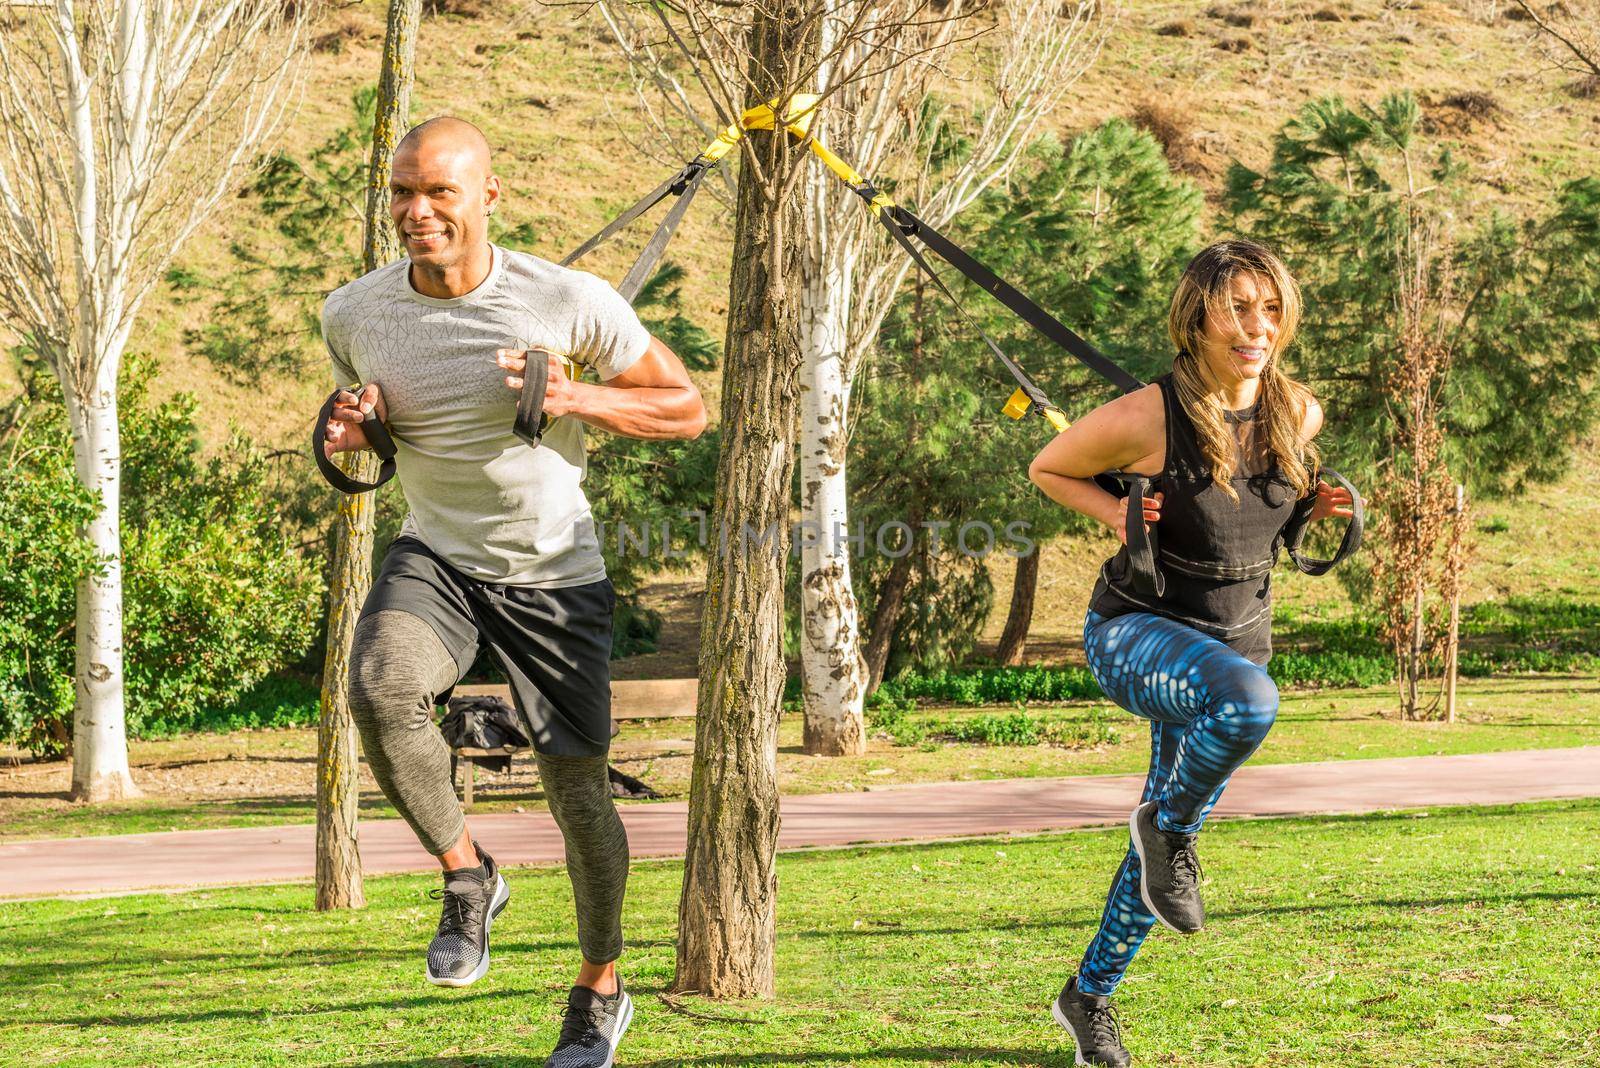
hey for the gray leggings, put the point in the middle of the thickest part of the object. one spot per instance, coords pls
(398, 665)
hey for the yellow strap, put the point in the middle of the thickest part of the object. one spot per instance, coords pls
(797, 118)
(1019, 405)
(848, 174)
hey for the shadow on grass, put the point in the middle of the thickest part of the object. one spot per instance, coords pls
(443, 999)
(21, 975)
(940, 1054)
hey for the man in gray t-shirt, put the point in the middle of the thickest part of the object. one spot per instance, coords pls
(499, 546)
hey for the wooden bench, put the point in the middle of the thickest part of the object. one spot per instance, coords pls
(633, 699)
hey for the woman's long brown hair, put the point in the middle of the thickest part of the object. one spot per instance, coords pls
(1203, 291)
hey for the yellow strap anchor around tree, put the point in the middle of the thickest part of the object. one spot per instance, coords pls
(798, 111)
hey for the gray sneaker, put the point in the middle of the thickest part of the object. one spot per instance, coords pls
(1093, 1027)
(459, 953)
(1169, 872)
(591, 1027)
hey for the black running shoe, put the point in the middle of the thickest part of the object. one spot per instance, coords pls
(473, 897)
(591, 1027)
(1169, 872)
(1093, 1027)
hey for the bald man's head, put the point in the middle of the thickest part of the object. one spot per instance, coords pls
(441, 193)
(449, 134)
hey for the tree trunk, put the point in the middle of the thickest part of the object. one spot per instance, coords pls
(99, 725)
(339, 882)
(885, 614)
(1014, 639)
(726, 915)
(832, 667)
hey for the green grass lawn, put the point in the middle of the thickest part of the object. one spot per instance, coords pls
(1532, 712)
(1451, 937)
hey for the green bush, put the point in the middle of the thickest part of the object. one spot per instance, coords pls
(214, 599)
(1098, 728)
(1299, 670)
(276, 701)
(1004, 685)
(635, 628)
(1015, 728)
(41, 508)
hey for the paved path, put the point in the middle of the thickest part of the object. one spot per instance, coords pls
(122, 863)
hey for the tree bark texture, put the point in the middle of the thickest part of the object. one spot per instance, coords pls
(99, 725)
(339, 883)
(726, 915)
(1024, 586)
(832, 667)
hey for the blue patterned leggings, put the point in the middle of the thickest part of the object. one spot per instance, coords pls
(1209, 708)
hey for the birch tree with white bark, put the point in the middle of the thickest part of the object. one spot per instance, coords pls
(1024, 57)
(122, 125)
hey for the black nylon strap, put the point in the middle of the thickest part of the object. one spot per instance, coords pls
(377, 436)
(1351, 541)
(530, 423)
(675, 185)
(1012, 297)
(1143, 545)
(645, 265)
(897, 230)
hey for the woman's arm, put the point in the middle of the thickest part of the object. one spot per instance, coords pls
(1332, 501)
(1127, 434)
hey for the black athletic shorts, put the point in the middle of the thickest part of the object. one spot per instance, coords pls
(554, 644)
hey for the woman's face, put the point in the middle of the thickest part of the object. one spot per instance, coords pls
(1239, 346)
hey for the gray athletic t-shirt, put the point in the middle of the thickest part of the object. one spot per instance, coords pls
(492, 507)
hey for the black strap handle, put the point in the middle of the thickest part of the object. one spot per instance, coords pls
(531, 423)
(377, 436)
(1351, 541)
(1143, 545)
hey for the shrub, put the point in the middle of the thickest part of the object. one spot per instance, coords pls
(1017, 728)
(41, 509)
(998, 685)
(213, 597)
(274, 702)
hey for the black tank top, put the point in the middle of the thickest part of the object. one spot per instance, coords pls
(1214, 555)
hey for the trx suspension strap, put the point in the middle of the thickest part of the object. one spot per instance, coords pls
(377, 436)
(530, 422)
(1295, 533)
(902, 225)
(1143, 549)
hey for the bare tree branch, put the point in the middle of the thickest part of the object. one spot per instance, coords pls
(1578, 31)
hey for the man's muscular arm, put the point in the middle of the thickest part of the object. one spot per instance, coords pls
(653, 398)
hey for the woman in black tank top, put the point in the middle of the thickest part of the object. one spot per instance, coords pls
(1219, 458)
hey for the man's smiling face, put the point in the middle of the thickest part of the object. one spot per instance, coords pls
(440, 195)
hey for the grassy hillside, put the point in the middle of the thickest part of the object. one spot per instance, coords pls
(1214, 83)
(546, 85)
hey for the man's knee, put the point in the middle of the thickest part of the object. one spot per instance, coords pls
(578, 790)
(395, 667)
